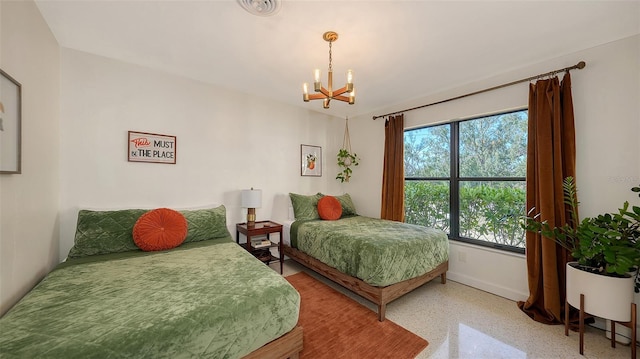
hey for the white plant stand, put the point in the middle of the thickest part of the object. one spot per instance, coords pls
(601, 296)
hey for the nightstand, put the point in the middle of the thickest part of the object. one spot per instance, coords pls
(263, 253)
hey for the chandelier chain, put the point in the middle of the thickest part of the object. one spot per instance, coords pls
(330, 69)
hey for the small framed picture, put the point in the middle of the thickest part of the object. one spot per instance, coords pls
(151, 147)
(10, 124)
(310, 160)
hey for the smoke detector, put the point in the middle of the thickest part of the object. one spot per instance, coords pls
(261, 7)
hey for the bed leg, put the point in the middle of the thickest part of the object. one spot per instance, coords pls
(443, 278)
(381, 312)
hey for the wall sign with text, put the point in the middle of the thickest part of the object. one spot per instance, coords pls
(151, 147)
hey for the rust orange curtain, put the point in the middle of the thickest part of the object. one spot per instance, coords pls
(551, 154)
(393, 169)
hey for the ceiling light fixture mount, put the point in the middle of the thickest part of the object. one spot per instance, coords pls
(261, 7)
(328, 94)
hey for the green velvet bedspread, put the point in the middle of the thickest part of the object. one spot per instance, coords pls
(379, 252)
(208, 299)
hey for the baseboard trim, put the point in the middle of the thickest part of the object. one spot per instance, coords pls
(487, 287)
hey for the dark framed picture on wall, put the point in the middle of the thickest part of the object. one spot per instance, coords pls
(310, 160)
(10, 124)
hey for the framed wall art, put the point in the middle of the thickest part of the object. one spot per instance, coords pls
(151, 147)
(10, 124)
(310, 160)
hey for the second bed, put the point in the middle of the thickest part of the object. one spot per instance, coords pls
(378, 259)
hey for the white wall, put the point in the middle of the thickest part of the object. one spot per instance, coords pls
(606, 98)
(226, 142)
(29, 201)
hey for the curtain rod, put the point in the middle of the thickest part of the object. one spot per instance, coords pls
(580, 65)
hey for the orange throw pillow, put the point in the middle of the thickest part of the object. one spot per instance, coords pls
(329, 208)
(159, 230)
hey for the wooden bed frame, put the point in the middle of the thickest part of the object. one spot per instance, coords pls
(378, 295)
(287, 346)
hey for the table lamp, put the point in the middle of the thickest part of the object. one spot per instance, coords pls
(251, 199)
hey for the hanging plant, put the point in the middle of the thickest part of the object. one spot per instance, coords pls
(345, 161)
(346, 158)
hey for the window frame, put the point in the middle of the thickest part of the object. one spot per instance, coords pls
(454, 180)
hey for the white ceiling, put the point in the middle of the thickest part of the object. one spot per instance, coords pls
(398, 50)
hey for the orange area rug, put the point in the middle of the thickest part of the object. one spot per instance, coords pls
(335, 326)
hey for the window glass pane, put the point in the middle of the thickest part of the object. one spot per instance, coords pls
(490, 211)
(427, 151)
(494, 146)
(427, 203)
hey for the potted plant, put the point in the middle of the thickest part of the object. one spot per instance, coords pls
(605, 246)
(346, 159)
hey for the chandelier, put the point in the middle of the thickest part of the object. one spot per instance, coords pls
(328, 94)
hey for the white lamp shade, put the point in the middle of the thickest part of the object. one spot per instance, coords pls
(251, 198)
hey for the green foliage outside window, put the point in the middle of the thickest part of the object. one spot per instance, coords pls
(487, 212)
(492, 213)
(427, 204)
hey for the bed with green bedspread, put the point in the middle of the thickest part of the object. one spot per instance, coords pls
(205, 299)
(379, 252)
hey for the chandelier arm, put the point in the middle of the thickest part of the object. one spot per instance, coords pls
(341, 98)
(317, 96)
(324, 91)
(340, 91)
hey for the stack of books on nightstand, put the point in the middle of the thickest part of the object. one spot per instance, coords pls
(260, 243)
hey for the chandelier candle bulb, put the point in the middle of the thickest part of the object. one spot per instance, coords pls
(305, 92)
(316, 75)
(350, 77)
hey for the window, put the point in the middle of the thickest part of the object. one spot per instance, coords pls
(468, 178)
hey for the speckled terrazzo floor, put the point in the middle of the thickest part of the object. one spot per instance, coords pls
(464, 322)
